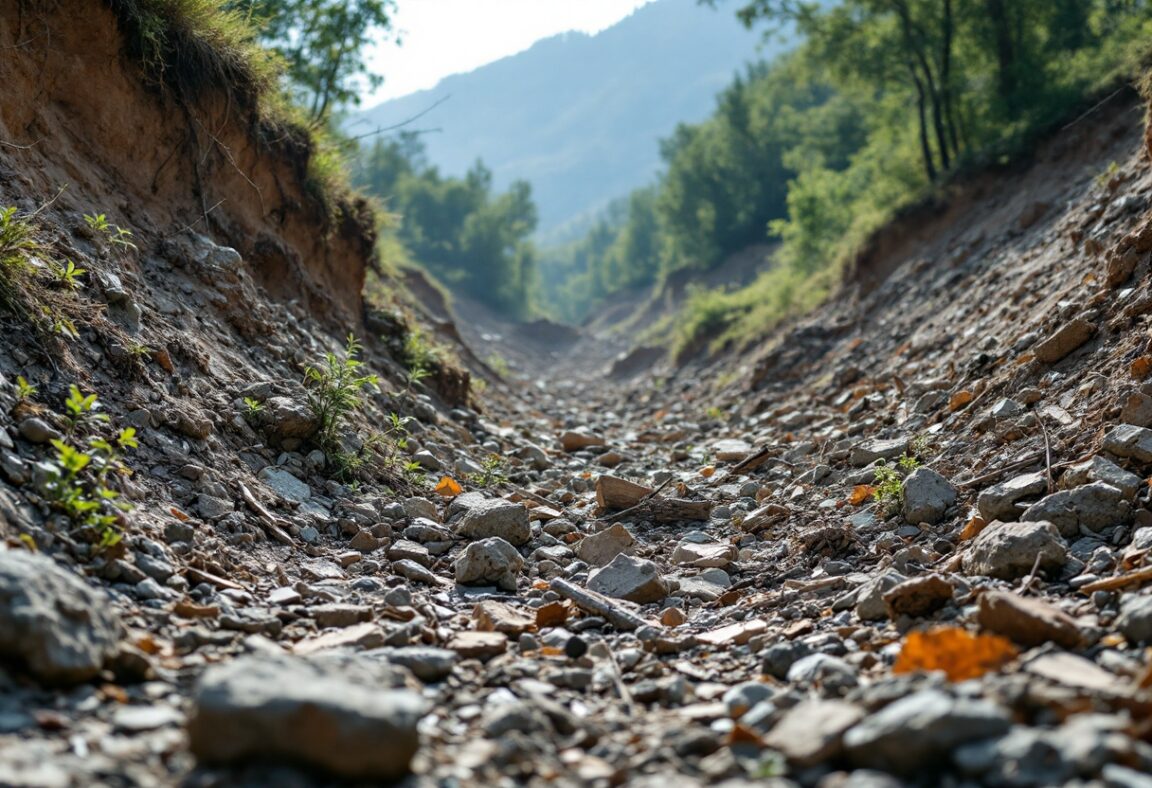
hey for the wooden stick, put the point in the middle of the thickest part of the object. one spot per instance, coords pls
(1120, 581)
(272, 524)
(598, 604)
(200, 576)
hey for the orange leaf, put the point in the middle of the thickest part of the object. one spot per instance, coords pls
(179, 515)
(960, 399)
(954, 650)
(448, 487)
(1141, 367)
(707, 471)
(861, 493)
(552, 614)
(973, 528)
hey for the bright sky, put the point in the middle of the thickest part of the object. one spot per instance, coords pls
(442, 37)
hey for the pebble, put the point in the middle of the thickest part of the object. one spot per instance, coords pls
(927, 496)
(491, 561)
(496, 518)
(1010, 550)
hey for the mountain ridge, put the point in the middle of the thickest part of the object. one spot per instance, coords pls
(579, 116)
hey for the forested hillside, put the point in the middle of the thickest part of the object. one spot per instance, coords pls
(578, 116)
(881, 105)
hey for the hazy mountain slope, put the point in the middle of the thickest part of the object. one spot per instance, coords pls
(581, 116)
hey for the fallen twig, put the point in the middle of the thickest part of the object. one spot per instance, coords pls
(272, 524)
(598, 604)
(1137, 577)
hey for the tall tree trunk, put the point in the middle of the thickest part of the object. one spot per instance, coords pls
(921, 102)
(915, 46)
(947, 95)
(1005, 44)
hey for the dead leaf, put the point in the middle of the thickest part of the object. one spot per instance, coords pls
(552, 614)
(960, 399)
(707, 471)
(448, 487)
(179, 515)
(954, 650)
(1141, 367)
(973, 528)
(861, 493)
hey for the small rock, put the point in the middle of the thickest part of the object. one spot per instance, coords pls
(1135, 619)
(1137, 409)
(479, 645)
(574, 440)
(742, 697)
(1029, 622)
(51, 622)
(286, 485)
(285, 417)
(731, 450)
(813, 731)
(312, 712)
(1064, 340)
(633, 579)
(672, 617)
(999, 501)
(870, 600)
(426, 663)
(869, 452)
(598, 549)
(1099, 469)
(420, 507)
(927, 496)
(364, 541)
(919, 730)
(1130, 442)
(36, 430)
(339, 614)
(1010, 550)
(918, 597)
(494, 616)
(1094, 506)
(712, 554)
(489, 561)
(407, 549)
(212, 508)
(496, 518)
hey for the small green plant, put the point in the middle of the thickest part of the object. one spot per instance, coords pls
(24, 390)
(77, 481)
(381, 447)
(82, 411)
(415, 474)
(335, 390)
(68, 275)
(17, 241)
(421, 357)
(715, 413)
(889, 486)
(1110, 172)
(499, 365)
(493, 472)
(252, 406)
(113, 232)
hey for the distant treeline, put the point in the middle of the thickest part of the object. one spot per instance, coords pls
(881, 100)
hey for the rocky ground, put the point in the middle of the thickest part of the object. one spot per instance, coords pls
(905, 544)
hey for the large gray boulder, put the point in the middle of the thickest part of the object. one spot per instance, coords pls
(500, 518)
(927, 496)
(337, 715)
(51, 622)
(1010, 550)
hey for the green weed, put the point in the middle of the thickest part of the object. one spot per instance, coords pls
(493, 472)
(68, 274)
(889, 486)
(335, 391)
(114, 233)
(24, 390)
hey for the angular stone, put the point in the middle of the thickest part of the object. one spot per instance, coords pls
(999, 501)
(870, 600)
(360, 636)
(285, 417)
(927, 496)
(869, 451)
(613, 492)
(52, 623)
(813, 731)
(1137, 409)
(316, 713)
(704, 555)
(286, 485)
(919, 730)
(1029, 622)
(1010, 550)
(407, 549)
(1094, 506)
(1130, 442)
(634, 579)
(1064, 340)
(479, 645)
(489, 561)
(339, 614)
(600, 548)
(1099, 469)
(499, 518)
(494, 616)
(731, 450)
(212, 508)
(918, 597)
(574, 440)
(1135, 619)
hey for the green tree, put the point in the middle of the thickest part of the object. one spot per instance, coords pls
(323, 44)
